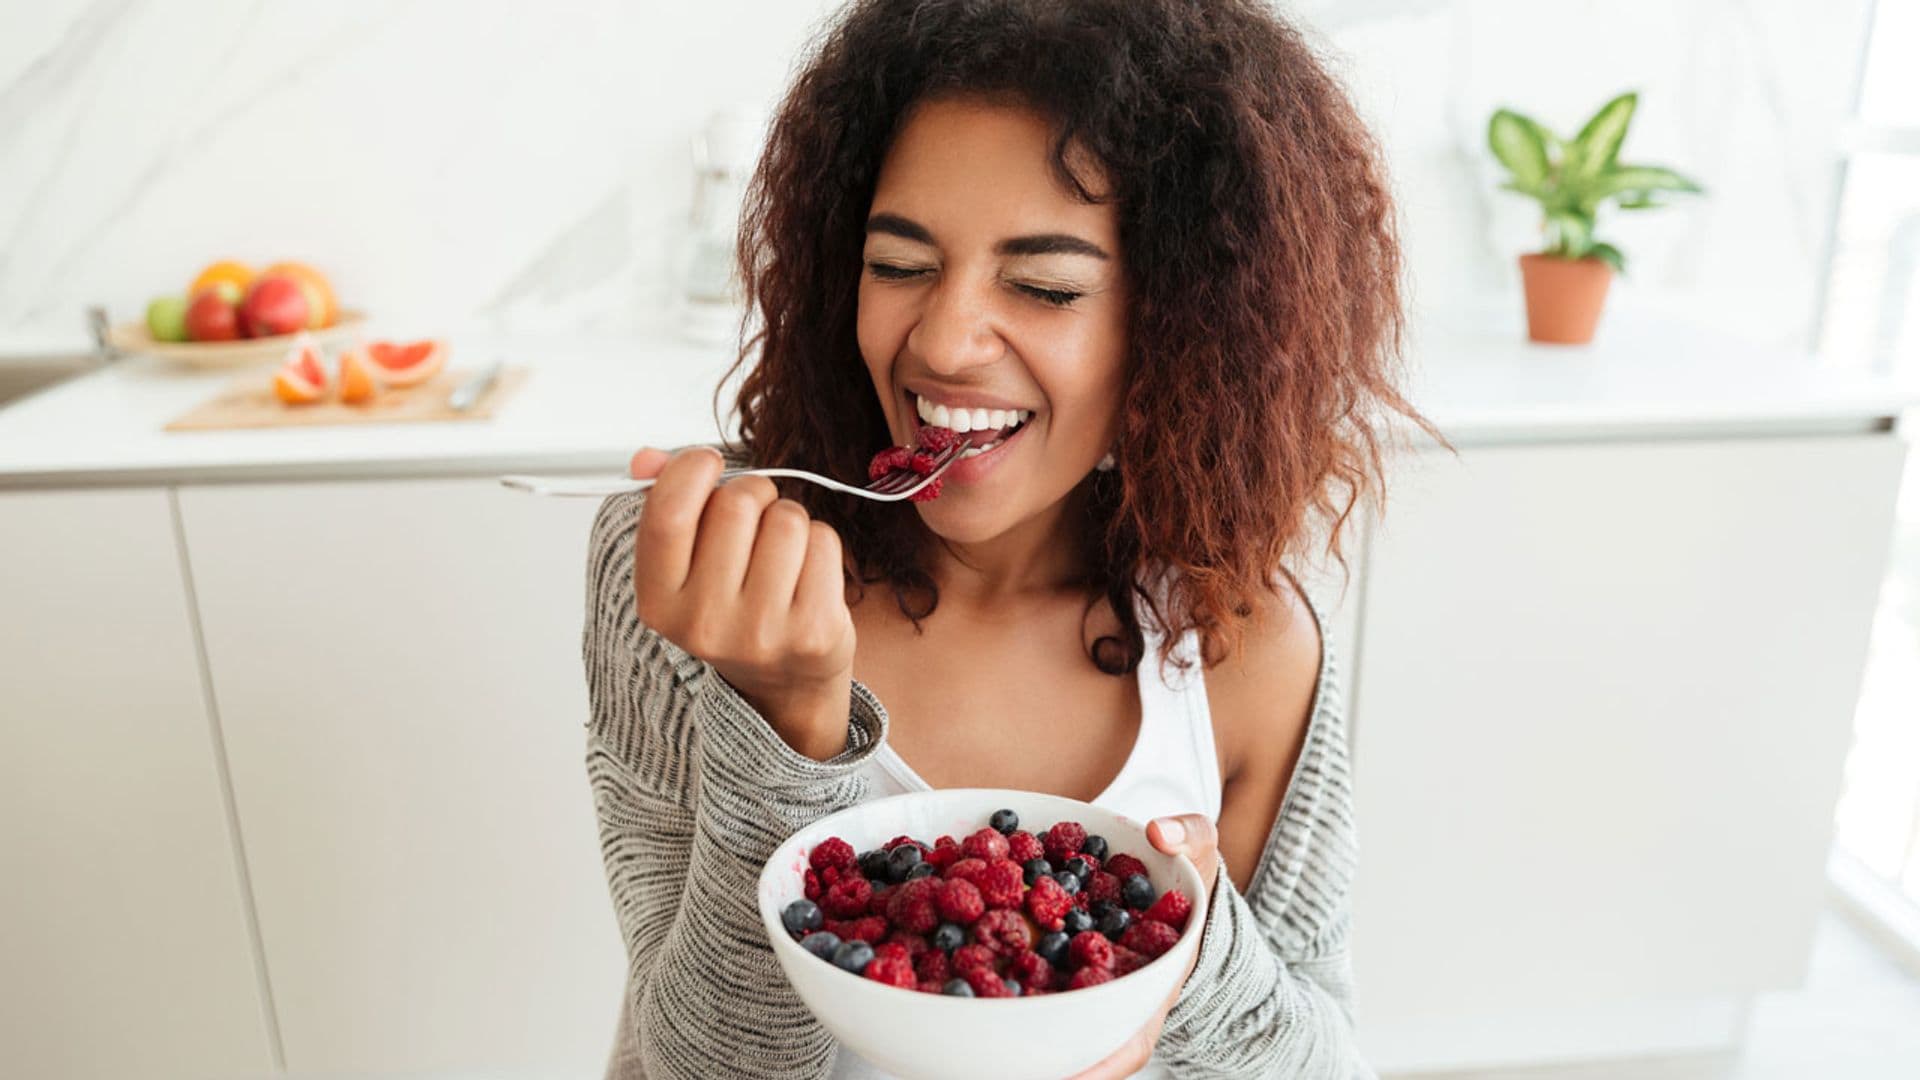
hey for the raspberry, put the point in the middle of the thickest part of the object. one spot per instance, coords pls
(933, 966)
(1089, 976)
(986, 983)
(1149, 937)
(870, 929)
(1093, 862)
(836, 852)
(959, 901)
(1126, 961)
(1063, 841)
(1032, 972)
(1001, 883)
(966, 869)
(935, 439)
(928, 986)
(1090, 948)
(1172, 908)
(811, 887)
(891, 966)
(985, 844)
(881, 897)
(968, 957)
(915, 944)
(1048, 903)
(1102, 886)
(911, 906)
(1024, 847)
(1005, 934)
(904, 839)
(847, 899)
(884, 462)
(946, 852)
(928, 494)
(1125, 866)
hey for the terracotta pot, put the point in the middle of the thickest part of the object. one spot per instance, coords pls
(1564, 297)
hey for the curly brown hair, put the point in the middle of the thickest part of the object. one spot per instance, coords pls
(1265, 335)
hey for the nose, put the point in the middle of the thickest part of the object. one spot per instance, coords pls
(955, 331)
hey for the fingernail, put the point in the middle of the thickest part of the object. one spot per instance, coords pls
(1172, 831)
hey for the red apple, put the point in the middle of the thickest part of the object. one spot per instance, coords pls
(212, 317)
(275, 305)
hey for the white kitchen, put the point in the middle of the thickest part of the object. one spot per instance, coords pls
(292, 709)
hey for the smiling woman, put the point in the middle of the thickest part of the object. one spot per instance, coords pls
(1140, 253)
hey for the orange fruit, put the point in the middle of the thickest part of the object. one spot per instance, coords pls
(359, 377)
(302, 380)
(319, 291)
(405, 363)
(237, 276)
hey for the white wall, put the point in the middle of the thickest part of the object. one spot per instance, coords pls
(514, 167)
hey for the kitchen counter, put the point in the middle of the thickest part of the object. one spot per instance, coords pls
(589, 402)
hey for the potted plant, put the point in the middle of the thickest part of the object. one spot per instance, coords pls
(1566, 283)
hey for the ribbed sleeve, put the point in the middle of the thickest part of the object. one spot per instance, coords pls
(693, 791)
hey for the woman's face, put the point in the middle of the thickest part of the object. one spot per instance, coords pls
(988, 284)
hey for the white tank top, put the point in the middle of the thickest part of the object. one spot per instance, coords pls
(1173, 769)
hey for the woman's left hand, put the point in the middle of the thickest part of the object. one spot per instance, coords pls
(1192, 835)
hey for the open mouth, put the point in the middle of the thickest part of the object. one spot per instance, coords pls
(985, 429)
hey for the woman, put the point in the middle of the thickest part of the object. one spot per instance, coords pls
(1157, 228)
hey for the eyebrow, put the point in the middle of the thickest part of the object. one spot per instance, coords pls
(1043, 244)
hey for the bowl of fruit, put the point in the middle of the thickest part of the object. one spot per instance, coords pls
(981, 932)
(231, 316)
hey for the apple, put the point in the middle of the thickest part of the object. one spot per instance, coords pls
(275, 305)
(167, 318)
(212, 317)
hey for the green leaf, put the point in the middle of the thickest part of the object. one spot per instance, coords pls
(1569, 233)
(1634, 182)
(1598, 143)
(1516, 141)
(1610, 255)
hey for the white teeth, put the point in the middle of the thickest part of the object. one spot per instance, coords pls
(962, 421)
(965, 420)
(980, 420)
(941, 417)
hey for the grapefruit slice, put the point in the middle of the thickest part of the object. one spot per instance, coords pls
(405, 363)
(359, 377)
(303, 378)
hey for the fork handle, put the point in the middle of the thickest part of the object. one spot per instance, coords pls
(614, 485)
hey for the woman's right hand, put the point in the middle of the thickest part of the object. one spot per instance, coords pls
(750, 583)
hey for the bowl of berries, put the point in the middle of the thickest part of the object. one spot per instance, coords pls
(980, 932)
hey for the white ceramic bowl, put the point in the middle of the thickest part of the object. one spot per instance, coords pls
(935, 1037)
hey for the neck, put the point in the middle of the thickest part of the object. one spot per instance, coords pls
(1033, 560)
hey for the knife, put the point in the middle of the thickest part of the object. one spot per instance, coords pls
(468, 394)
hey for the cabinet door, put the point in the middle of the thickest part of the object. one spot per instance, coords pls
(124, 944)
(1604, 698)
(398, 670)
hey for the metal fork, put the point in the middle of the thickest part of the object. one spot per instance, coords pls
(897, 484)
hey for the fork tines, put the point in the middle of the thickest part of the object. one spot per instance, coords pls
(899, 480)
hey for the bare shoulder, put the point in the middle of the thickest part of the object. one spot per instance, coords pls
(1262, 698)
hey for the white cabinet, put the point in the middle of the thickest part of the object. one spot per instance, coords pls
(1603, 697)
(124, 943)
(397, 666)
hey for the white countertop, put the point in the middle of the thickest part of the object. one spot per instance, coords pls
(588, 403)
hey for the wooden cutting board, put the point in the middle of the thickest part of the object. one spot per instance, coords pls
(248, 402)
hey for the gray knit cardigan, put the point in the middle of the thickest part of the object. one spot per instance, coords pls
(693, 791)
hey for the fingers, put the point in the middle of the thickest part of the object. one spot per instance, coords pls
(669, 518)
(1192, 835)
(1129, 1059)
(821, 592)
(647, 462)
(778, 554)
(728, 526)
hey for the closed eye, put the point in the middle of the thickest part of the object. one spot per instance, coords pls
(1055, 297)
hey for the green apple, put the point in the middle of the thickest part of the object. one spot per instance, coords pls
(167, 318)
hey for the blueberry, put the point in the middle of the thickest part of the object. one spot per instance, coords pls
(821, 943)
(1099, 908)
(1114, 923)
(957, 988)
(1034, 868)
(1137, 891)
(1096, 846)
(801, 916)
(1079, 868)
(1077, 922)
(901, 861)
(853, 956)
(949, 937)
(920, 869)
(1004, 822)
(873, 865)
(1012, 987)
(1068, 882)
(1053, 949)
